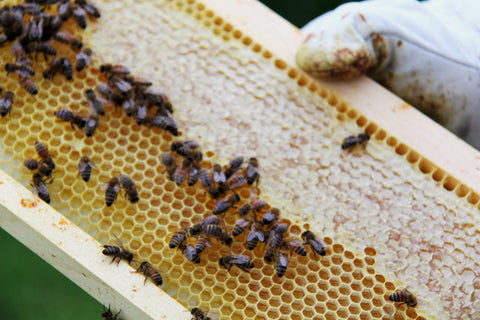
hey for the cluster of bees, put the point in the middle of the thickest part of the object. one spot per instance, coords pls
(193, 241)
(129, 92)
(42, 169)
(31, 29)
(217, 183)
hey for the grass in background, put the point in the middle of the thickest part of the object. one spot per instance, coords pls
(31, 289)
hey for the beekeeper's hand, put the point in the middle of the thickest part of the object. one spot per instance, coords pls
(428, 53)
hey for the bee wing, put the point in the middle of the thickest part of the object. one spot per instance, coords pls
(104, 187)
(191, 144)
(295, 242)
(210, 220)
(214, 315)
(239, 259)
(260, 236)
(283, 260)
(242, 222)
(207, 243)
(82, 166)
(251, 171)
(190, 252)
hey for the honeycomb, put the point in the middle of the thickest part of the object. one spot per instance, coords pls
(390, 218)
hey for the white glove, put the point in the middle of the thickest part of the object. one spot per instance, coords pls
(428, 53)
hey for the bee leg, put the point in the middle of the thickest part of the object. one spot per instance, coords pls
(244, 269)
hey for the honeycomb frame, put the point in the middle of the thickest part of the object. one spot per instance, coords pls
(148, 137)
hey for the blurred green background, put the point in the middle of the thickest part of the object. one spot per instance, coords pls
(30, 289)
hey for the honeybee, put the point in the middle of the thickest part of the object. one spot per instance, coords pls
(240, 226)
(33, 31)
(51, 25)
(74, 118)
(129, 187)
(31, 164)
(85, 168)
(218, 174)
(233, 166)
(40, 186)
(150, 272)
(258, 205)
(282, 263)
(190, 253)
(194, 174)
(178, 240)
(94, 103)
(405, 297)
(162, 122)
(207, 183)
(83, 59)
(19, 52)
(128, 106)
(21, 69)
(112, 188)
(295, 245)
(241, 261)
(198, 314)
(253, 174)
(236, 181)
(244, 210)
(198, 227)
(141, 111)
(213, 230)
(256, 234)
(80, 16)
(352, 141)
(6, 102)
(66, 68)
(271, 216)
(201, 245)
(181, 171)
(91, 10)
(275, 239)
(53, 68)
(105, 90)
(118, 253)
(226, 203)
(107, 313)
(28, 84)
(123, 87)
(187, 149)
(315, 242)
(41, 47)
(42, 150)
(64, 9)
(225, 238)
(68, 38)
(169, 162)
(46, 166)
(91, 125)
(114, 69)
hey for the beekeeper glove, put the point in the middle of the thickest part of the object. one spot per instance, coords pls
(428, 53)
